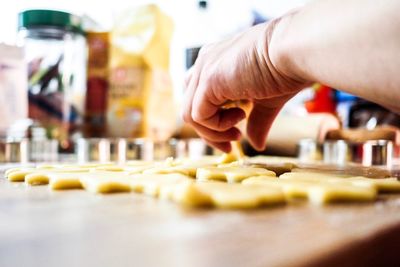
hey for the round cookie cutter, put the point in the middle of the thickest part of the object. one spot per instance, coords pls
(126, 149)
(28, 150)
(96, 149)
(340, 152)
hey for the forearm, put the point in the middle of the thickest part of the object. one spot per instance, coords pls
(350, 45)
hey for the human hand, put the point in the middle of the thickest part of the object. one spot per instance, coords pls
(237, 69)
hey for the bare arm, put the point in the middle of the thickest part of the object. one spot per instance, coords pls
(351, 45)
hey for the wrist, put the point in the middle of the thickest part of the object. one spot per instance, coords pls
(281, 50)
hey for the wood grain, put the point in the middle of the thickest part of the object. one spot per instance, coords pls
(39, 227)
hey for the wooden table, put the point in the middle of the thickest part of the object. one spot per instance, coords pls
(39, 227)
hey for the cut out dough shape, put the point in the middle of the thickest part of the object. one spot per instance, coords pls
(106, 182)
(189, 169)
(277, 168)
(131, 167)
(271, 160)
(42, 176)
(8, 171)
(186, 194)
(138, 169)
(206, 160)
(110, 168)
(183, 166)
(137, 162)
(18, 175)
(152, 184)
(223, 195)
(214, 160)
(230, 174)
(382, 185)
(317, 192)
(93, 181)
(64, 181)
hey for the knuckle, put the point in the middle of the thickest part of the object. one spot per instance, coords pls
(204, 50)
(186, 117)
(196, 117)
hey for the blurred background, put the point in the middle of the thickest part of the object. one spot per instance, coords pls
(194, 22)
(76, 74)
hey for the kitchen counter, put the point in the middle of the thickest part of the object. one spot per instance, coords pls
(39, 227)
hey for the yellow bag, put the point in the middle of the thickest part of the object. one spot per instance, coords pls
(140, 98)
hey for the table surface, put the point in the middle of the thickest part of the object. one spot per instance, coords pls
(40, 227)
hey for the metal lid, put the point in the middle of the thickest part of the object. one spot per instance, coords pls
(49, 18)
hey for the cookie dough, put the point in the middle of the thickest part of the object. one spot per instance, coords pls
(18, 174)
(43, 176)
(230, 174)
(390, 184)
(65, 181)
(226, 181)
(105, 182)
(152, 184)
(223, 195)
(321, 192)
(189, 169)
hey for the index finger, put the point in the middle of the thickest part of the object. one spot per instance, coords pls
(213, 113)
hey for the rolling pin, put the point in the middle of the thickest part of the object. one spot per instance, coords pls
(288, 130)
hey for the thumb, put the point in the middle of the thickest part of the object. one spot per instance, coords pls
(259, 123)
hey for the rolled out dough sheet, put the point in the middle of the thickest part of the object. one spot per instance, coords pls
(317, 192)
(230, 174)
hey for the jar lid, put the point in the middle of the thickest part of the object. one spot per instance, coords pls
(51, 18)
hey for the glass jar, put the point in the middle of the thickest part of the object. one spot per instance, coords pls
(55, 50)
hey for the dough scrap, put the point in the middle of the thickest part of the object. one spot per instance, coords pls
(230, 174)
